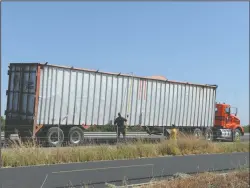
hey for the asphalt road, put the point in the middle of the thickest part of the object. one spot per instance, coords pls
(133, 171)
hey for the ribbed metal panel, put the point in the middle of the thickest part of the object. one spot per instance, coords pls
(21, 92)
(73, 97)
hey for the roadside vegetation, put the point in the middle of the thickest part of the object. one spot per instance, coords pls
(32, 154)
(233, 179)
(238, 178)
(246, 128)
(2, 121)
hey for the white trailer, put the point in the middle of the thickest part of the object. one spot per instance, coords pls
(42, 98)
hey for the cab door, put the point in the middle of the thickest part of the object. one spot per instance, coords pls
(228, 118)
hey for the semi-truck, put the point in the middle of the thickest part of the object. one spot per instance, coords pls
(45, 101)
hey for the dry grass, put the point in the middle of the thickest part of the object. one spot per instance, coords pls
(238, 179)
(32, 154)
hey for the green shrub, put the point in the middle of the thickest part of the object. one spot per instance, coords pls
(246, 129)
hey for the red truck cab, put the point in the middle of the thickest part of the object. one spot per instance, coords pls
(226, 118)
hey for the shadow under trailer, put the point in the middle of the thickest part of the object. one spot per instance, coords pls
(44, 101)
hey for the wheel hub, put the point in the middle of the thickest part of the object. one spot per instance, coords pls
(54, 138)
(208, 136)
(237, 136)
(75, 137)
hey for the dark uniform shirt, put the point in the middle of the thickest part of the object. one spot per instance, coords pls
(120, 121)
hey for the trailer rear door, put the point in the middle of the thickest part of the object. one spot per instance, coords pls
(21, 98)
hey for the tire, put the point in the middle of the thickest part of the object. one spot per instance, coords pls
(208, 134)
(75, 136)
(237, 135)
(54, 131)
(197, 133)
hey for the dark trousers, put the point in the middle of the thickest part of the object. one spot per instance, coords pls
(121, 129)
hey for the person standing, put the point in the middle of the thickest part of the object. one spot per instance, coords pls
(120, 122)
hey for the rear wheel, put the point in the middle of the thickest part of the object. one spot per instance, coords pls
(197, 133)
(76, 136)
(55, 136)
(209, 134)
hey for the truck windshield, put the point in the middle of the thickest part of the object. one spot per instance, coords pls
(233, 111)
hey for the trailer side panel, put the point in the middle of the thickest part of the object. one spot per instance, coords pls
(76, 97)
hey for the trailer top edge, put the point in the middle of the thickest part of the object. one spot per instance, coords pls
(27, 63)
(116, 74)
